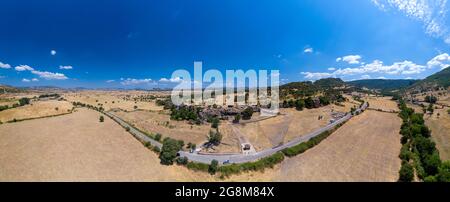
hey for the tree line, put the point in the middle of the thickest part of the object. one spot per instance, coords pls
(418, 153)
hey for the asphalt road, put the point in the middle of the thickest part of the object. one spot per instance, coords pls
(234, 158)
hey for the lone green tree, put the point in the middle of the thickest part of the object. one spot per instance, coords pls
(101, 119)
(169, 151)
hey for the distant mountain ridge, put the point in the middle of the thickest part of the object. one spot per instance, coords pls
(383, 84)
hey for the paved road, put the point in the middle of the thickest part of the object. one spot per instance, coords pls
(241, 158)
(235, 158)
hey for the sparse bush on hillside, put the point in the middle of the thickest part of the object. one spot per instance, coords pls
(101, 119)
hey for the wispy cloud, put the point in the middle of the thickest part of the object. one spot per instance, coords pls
(65, 67)
(49, 75)
(53, 52)
(350, 59)
(131, 81)
(308, 50)
(171, 80)
(432, 13)
(21, 68)
(4, 66)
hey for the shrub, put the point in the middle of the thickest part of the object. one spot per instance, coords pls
(158, 137)
(24, 101)
(247, 113)
(430, 99)
(182, 160)
(157, 150)
(444, 172)
(406, 173)
(237, 118)
(127, 129)
(431, 164)
(260, 165)
(215, 137)
(215, 123)
(101, 119)
(212, 169)
(302, 147)
(198, 166)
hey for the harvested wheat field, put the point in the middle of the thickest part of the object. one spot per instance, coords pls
(35, 110)
(364, 149)
(382, 103)
(111, 99)
(77, 147)
(440, 127)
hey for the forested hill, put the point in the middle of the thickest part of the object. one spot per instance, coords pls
(383, 84)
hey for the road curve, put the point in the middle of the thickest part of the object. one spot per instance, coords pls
(234, 158)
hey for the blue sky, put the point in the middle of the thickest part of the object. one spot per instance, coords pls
(134, 44)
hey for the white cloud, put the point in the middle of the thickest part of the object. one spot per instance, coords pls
(109, 81)
(65, 67)
(28, 80)
(49, 75)
(130, 81)
(381, 77)
(172, 80)
(442, 61)
(23, 68)
(432, 13)
(316, 75)
(352, 59)
(53, 52)
(338, 59)
(331, 69)
(377, 67)
(366, 76)
(4, 66)
(308, 50)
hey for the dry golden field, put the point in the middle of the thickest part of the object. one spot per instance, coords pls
(440, 131)
(35, 110)
(365, 149)
(113, 99)
(383, 103)
(77, 147)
